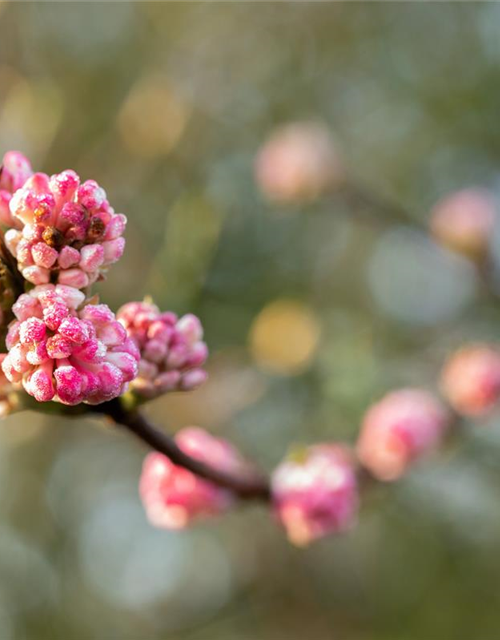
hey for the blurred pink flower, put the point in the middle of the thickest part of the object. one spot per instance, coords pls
(470, 379)
(61, 349)
(399, 429)
(298, 163)
(64, 231)
(315, 493)
(14, 172)
(173, 496)
(464, 221)
(172, 350)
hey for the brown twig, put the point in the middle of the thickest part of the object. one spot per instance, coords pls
(247, 485)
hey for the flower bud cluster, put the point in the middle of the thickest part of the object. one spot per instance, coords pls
(298, 163)
(173, 496)
(400, 428)
(172, 350)
(315, 493)
(470, 379)
(464, 221)
(63, 231)
(62, 349)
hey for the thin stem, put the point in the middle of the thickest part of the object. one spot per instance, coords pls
(392, 212)
(247, 485)
(357, 195)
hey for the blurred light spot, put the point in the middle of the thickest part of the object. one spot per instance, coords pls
(487, 23)
(126, 561)
(152, 118)
(192, 234)
(174, 578)
(26, 577)
(30, 115)
(232, 385)
(207, 582)
(284, 337)
(98, 464)
(22, 427)
(458, 492)
(415, 281)
(88, 33)
(7, 620)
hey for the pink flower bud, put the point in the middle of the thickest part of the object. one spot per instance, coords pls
(59, 225)
(113, 250)
(91, 195)
(193, 379)
(7, 402)
(43, 255)
(98, 314)
(70, 296)
(60, 352)
(315, 493)
(172, 352)
(25, 307)
(173, 496)
(298, 163)
(36, 275)
(190, 328)
(161, 383)
(12, 239)
(464, 221)
(59, 347)
(16, 169)
(92, 257)
(116, 227)
(6, 217)
(69, 257)
(64, 186)
(399, 429)
(39, 383)
(32, 330)
(470, 380)
(74, 278)
(75, 330)
(70, 384)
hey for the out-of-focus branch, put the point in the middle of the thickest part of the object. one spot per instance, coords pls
(359, 195)
(247, 485)
(391, 212)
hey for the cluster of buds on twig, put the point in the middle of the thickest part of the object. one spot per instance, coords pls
(172, 351)
(63, 346)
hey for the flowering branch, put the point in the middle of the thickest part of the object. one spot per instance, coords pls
(65, 351)
(246, 485)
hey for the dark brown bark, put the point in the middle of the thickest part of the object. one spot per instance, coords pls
(249, 485)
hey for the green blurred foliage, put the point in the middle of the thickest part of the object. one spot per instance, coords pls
(166, 105)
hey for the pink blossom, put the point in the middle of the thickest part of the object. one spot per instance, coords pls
(172, 350)
(315, 493)
(399, 429)
(14, 172)
(470, 380)
(173, 496)
(61, 349)
(298, 163)
(63, 231)
(464, 221)
(7, 389)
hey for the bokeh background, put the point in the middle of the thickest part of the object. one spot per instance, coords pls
(311, 311)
